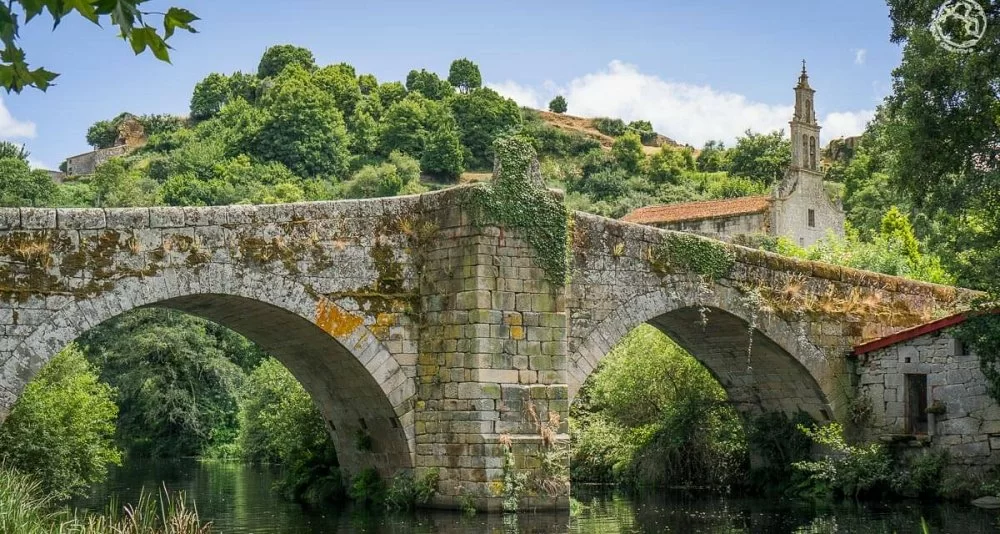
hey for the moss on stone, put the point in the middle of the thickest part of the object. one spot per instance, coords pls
(515, 200)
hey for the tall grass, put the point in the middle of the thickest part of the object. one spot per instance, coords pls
(24, 511)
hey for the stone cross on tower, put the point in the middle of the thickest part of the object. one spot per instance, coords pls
(804, 128)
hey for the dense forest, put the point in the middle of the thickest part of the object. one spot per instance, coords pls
(160, 383)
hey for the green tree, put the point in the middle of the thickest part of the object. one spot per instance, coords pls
(558, 104)
(401, 174)
(761, 157)
(177, 378)
(278, 57)
(627, 151)
(11, 150)
(714, 157)
(209, 96)
(115, 186)
(669, 164)
(442, 156)
(428, 84)
(240, 125)
(367, 83)
(102, 134)
(21, 186)
(407, 124)
(279, 423)
(61, 430)
(131, 21)
(389, 93)
(339, 81)
(464, 75)
(304, 129)
(482, 116)
(246, 86)
(652, 414)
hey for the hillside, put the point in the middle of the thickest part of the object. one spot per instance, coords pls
(584, 125)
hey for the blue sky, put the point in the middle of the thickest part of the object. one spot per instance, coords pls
(696, 71)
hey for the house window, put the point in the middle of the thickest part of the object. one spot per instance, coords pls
(916, 404)
(958, 347)
(812, 218)
(720, 227)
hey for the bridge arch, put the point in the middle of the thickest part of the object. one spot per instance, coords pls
(712, 322)
(331, 349)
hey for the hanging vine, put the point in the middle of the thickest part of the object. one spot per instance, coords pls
(517, 199)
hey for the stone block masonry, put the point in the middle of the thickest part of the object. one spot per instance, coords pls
(431, 341)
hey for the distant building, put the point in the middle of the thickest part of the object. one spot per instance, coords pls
(130, 136)
(799, 208)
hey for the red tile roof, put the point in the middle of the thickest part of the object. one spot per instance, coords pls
(693, 211)
(910, 333)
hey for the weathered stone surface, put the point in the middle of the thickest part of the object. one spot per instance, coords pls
(443, 340)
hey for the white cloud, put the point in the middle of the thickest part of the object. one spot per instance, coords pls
(13, 128)
(522, 94)
(860, 55)
(846, 123)
(685, 112)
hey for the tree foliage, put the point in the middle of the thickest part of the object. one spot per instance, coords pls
(177, 379)
(61, 430)
(304, 130)
(464, 75)
(558, 104)
(279, 423)
(132, 22)
(482, 116)
(651, 414)
(209, 96)
(761, 157)
(428, 84)
(277, 58)
(21, 186)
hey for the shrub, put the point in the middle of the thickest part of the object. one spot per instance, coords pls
(848, 470)
(406, 493)
(367, 488)
(611, 127)
(558, 104)
(61, 430)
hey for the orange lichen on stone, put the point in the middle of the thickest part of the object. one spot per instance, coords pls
(335, 321)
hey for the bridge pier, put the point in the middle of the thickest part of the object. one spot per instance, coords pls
(493, 402)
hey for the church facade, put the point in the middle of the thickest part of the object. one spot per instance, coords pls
(798, 208)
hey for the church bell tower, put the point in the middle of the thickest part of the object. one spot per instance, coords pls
(804, 129)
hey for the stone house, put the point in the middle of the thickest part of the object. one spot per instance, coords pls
(799, 207)
(925, 388)
(131, 135)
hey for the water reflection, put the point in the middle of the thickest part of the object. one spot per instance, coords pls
(237, 499)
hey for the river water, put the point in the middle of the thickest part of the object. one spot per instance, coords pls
(237, 499)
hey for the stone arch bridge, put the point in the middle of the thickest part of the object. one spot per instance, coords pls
(444, 337)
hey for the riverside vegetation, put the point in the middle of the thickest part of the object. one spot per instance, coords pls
(159, 383)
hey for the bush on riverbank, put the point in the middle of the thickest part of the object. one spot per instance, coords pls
(653, 415)
(279, 423)
(61, 430)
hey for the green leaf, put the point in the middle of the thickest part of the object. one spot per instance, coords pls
(32, 8)
(42, 78)
(158, 46)
(178, 18)
(84, 7)
(139, 39)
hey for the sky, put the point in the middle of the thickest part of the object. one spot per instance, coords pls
(697, 70)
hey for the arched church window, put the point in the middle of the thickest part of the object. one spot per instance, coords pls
(812, 153)
(805, 150)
